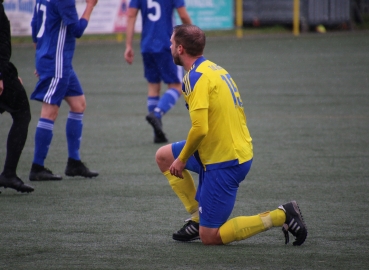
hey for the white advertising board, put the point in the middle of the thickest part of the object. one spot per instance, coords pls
(109, 16)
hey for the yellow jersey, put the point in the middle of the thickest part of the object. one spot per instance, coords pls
(209, 89)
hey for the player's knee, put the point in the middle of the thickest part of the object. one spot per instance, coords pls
(83, 106)
(208, 241)
(26, 116)
(210, 236)
(23, 117)
(164, 158)
(79, 107)
(77, 104)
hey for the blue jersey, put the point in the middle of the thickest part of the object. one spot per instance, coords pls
(157, 23)
(55, 27)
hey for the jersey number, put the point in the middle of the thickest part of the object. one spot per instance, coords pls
(42, 28)
(157, 12)
(237, 100)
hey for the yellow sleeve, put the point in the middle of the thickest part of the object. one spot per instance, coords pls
(197, 133)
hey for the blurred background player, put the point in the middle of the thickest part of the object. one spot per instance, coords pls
(14, 100)
(55, 27)
(157, 26)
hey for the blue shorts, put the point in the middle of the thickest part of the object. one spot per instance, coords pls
(217, 189)
(160, 67)
(53, 90)
(217, 193)
(192, 164)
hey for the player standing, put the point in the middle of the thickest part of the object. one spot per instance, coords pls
(13, 99)
(157, 25)
(55, 27)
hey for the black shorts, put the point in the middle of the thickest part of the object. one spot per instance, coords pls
(14, 97)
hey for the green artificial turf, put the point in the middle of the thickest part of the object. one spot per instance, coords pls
(307, 106)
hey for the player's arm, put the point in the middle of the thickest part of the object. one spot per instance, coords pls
(197, 133)
(79, 27)
(199, 130)
(183, 14)
(131, 20)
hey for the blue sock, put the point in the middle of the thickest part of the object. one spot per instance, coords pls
(166, 102)
(43, 136)
(152, 102)
(74, 134)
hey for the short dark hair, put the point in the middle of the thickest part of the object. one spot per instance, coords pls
(191, 37)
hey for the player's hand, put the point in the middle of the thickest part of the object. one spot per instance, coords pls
(129, 55)
(1, 87)
(91, 2)
(36, 74)
(177, 168)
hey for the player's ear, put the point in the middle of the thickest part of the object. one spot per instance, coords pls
(180, 49)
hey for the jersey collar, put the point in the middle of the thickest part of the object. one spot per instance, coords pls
(198, 62)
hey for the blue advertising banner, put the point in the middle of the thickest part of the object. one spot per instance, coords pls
(210, 14)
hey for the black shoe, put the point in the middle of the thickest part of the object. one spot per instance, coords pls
(77, 168)
(16, 183)
(294, 223)
(40, 173)
(189, 232)
(157, 126)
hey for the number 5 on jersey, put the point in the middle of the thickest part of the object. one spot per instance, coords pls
(157, 12)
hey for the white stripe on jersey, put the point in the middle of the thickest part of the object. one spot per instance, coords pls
(59, 51)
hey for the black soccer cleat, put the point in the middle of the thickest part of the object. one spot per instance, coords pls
(189, 232)
(78, 168)
(159, 135)
(294, 223)
(40, 173)
(16, 183)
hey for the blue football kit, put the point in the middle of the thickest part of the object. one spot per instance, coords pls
(157, 23)
(157, 27)
(55, 27)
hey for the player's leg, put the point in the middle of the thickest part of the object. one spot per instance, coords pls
(216, 201)
(168, 99)
(170, 74)
(152, 75)
(50, 91)
(184, 188)
(288, 215)
(14, 100)
(74, 126)
(153, 96)
(243, 227)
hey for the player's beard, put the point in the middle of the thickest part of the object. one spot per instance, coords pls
(177, 60)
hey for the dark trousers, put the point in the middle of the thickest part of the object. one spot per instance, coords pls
(14, 100)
